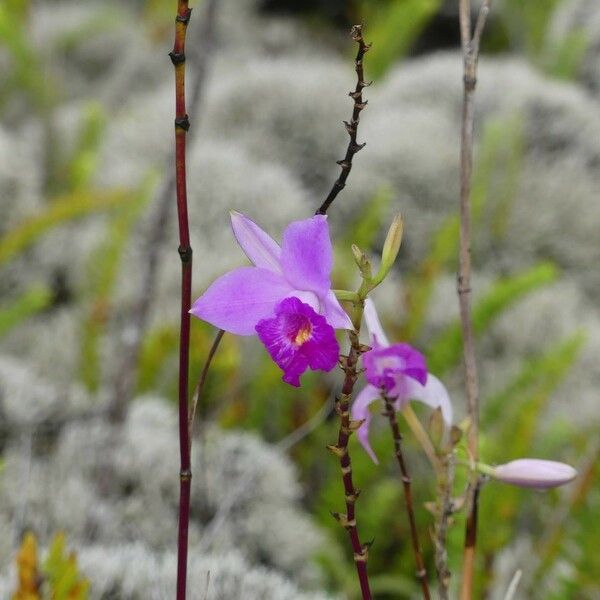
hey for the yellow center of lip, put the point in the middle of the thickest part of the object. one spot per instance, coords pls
(303, 334)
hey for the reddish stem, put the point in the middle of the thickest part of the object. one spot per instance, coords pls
(361, 552)
(185, 252)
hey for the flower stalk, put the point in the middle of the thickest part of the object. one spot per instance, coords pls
(340, 449)
(182, 125)
(390, 413)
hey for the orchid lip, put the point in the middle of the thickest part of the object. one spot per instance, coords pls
(298, 338)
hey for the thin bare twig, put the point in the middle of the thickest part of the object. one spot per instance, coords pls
(202, 380)
(470, 48)
(352, 126)
(154, 241)
(390, 413)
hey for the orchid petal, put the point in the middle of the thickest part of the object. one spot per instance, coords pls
(238, 300)
(309, 298)
(334, 313)
(359, 412)
(385, 365)
(307, 255)
(373, 323)
(433, 393)
(258, 245)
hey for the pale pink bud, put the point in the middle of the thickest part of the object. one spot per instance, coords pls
(534, 473)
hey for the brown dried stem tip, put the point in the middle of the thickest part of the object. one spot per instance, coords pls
(352, 126)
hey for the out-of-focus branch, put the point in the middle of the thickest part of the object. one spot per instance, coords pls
(470, 49)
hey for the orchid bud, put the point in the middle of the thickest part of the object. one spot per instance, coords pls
(362, 261)
(391, 247)
(534, 473)
(436, 427)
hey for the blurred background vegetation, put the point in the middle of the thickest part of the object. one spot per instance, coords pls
(69, 248)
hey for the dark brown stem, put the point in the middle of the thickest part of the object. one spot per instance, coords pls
(182, 125)
(348, 520)
(470, 48)
(390, 413)
(154, 241)
(202, 380)
(352, 126)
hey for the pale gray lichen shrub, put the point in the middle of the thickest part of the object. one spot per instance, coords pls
(93, 51)
(27, 397)
(534, 325)
(118, 486)
(131, 571)
(288, 110)
(413, 136)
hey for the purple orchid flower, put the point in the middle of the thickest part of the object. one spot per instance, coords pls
(285, 298)
(399, 371)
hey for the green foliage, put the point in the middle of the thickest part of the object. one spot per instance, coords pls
(393, 26)
(57, 579)
(81, 166)
(528, 22)
(511, 421)
(527, 26)
(567, 55)
(26, 72)
(157, 369)
(445, 350)
(33, 301)
(537, 379)
(102, 273)
(496, 176)
(64, 581)
(65, 208)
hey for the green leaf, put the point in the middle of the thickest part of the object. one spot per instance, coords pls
(33, 301)
(85, 156)
(496, 175)
(392, 29)
(102, 271)
(566, 57)
(446, 349)
(64, 581)
(63, 209)
(536, 380)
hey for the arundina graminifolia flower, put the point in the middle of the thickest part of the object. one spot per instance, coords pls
(399, 371)
(534, 473)
(285, 298)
